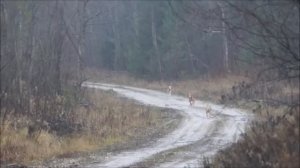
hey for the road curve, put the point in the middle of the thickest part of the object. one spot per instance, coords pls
(211, 133)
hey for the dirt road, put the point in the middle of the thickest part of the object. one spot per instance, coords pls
(196, 136)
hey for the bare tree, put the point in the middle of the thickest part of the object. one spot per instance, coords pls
(154, 42)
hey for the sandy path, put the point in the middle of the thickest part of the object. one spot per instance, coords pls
(212, 134)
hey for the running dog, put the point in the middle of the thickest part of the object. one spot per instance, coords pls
(170, 89)
(191, 99)
(208, 110)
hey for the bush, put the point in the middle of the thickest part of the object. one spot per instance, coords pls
(272, 142)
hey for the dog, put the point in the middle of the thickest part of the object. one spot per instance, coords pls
(208, 110)
(170, 89)
(191, 99)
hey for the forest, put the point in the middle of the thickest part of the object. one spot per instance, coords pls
(226, 52)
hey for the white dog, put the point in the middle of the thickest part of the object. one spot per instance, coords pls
(208, 110)
(170, 89)
(191, 99)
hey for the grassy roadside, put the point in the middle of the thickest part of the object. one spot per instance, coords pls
(273, 141)
(247, 94)
(108, 122)
(205, 89)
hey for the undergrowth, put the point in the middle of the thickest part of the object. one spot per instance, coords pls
(102, 120)
(272, 141)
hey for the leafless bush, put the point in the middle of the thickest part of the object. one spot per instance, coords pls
(272, 142)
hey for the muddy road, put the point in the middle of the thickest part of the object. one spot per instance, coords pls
(196, 136)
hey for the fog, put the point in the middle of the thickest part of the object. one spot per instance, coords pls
(49, 48)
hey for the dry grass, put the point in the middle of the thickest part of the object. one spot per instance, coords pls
(106, 121)
(201, 88)
(18, 146)
(271, 142)
(207, 89)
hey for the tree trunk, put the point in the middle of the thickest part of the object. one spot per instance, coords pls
(154, 41)
(116, 32)
(190, 54)
(59, 40)
(30, 54)
(225, 40)
(135, 19)
(136, 25)
(3, 39)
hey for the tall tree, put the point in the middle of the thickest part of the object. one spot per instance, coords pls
(154, 41)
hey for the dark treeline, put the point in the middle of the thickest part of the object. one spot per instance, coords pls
(159, 39)
(46, 45)
(175, 39)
